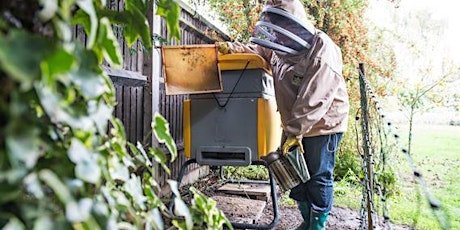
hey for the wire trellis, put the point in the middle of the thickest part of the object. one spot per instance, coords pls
(378, 135)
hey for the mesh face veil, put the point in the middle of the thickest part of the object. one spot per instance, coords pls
(283, 32)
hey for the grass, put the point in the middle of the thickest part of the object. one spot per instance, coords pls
(436, 154)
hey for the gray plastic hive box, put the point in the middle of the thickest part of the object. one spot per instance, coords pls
(236, 126)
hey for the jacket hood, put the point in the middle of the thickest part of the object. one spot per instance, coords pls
(294, 7)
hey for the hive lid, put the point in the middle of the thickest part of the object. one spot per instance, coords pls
(191, 69)
(238, 61)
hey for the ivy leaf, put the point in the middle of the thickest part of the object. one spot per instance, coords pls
(142, 5)
(23, 144)
(78, 211)
(117, 170)
(161, 130)
(91, 84)
(21, 54)
(170, 10)
(100, 114)
(59, 62)
(160, 157)
(180, 208)
(86, 168)
(109, 44)
(44, 222)
(14, 224)
(53, 181)
(48, 9)
(78, 152)
(33, 186)
(134, 188)
(137, 26)
(88, 7)
(155, 218)
(146, 159)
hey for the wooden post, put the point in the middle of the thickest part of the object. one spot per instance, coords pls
(366, 145)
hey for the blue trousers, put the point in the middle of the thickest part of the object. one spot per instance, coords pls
(320, 158)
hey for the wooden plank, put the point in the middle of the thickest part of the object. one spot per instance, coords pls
(240, 210)
(133, 57)
(126, 111)
(140, 114)
(253, 190)
(125, 77)
(133, 115)
(119, 98)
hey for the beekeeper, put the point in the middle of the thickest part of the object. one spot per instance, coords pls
(311, 96)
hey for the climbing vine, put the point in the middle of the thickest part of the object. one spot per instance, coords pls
(64, 159)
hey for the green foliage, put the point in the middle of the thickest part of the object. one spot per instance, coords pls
(170, 10)
(64, 162)
(347, 160)
(205, 212)
(251, 172)
(239, 16)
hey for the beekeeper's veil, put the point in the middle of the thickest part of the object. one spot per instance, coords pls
(284, 27)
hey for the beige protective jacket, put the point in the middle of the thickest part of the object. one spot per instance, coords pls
(310, 90)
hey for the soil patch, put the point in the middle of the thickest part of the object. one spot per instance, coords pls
(289, 216)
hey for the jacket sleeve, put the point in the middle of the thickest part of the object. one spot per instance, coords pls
(314, 98)
(237, 47)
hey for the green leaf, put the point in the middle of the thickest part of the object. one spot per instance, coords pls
(137, 26)
(48, 9)
(78, 152)
(161, 130)
(134, 188)
(92, 85)
(57, 63)
(100, 114)
(109, 44)
(88, 7)
(86, 168)
(44, 222)
(170, 10)
(53, 181)
(117, 170)
(78, 211)
(142, 5)
(66, 8)
(118, 129)
(146, 159)
(9, 191)
(21, 54)
(33, 186)
(81, 18)
(180, 208)
(160, 157)
(23, 144)
(14, 224)
(122, 202)
(155, 218)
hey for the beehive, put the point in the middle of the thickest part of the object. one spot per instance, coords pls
(238, 125)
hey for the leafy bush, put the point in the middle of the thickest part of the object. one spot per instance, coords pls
(64, 159)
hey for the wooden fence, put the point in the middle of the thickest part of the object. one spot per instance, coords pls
(194, 30)
(139, 85)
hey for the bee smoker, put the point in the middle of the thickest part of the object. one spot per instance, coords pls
(287, 174)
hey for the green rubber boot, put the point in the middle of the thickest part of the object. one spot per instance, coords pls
(304, 208)
(318, 220)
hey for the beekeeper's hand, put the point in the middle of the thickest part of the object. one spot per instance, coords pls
(223, 47)
(291, 142)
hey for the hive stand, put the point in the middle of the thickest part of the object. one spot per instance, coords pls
(238, 225)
